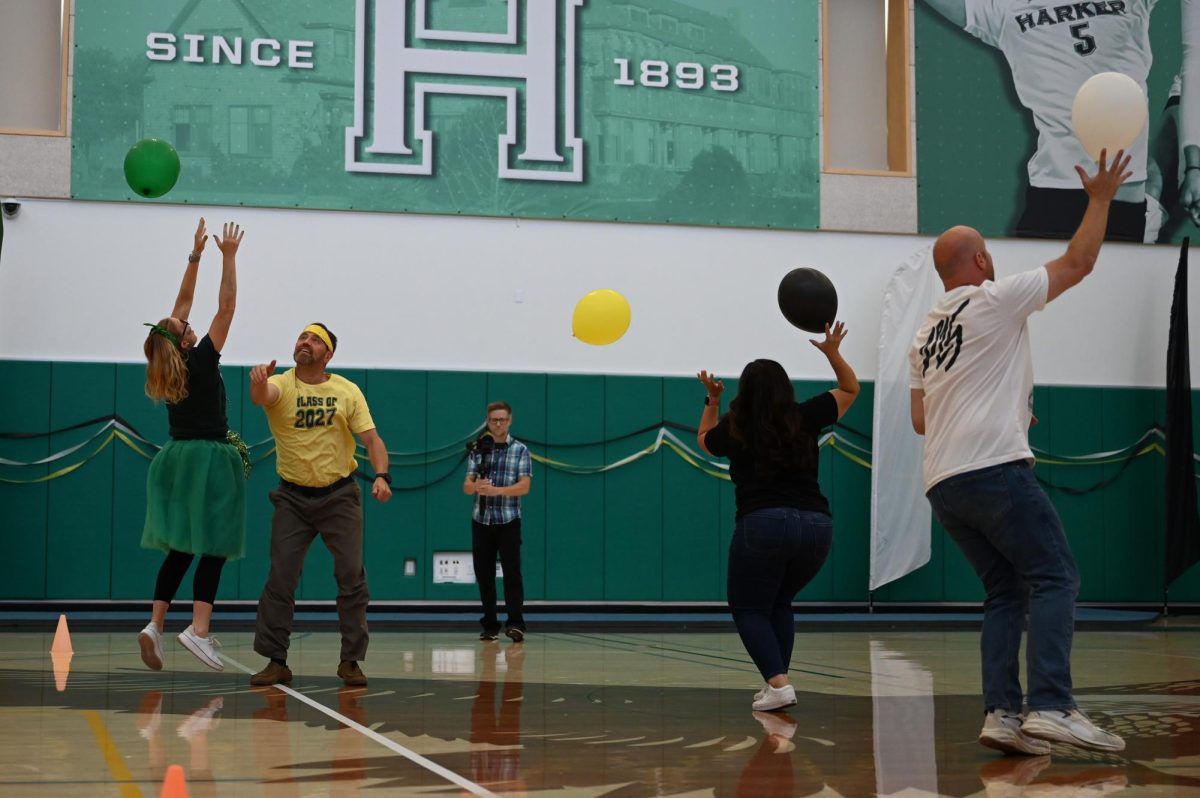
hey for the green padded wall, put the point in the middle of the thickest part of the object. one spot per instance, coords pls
(655, 530)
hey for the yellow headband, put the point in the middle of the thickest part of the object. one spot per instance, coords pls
(322, 333)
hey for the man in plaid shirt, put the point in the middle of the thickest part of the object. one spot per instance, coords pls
(499, 472)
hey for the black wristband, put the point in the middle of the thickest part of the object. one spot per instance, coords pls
(1190, 168)
(716, 400)
(385, 476)
(194, 257)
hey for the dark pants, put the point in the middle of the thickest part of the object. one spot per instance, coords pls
(1057, 212)
(1011, 534)
(774, 553)
(204, 581)
(486, 541)
(337, 518)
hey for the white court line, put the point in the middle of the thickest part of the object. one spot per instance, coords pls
(412, 756)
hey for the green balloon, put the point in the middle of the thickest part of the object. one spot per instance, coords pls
(151, 167)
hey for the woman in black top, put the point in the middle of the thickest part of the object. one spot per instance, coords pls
(195, 487)
(783, 531)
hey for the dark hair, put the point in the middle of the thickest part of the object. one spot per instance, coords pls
(332, 337)
(764, 418)
(499, 406)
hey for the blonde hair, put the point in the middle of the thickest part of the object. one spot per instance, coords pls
(166, 373)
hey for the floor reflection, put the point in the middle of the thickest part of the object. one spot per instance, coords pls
(884, 716)
(496, 726)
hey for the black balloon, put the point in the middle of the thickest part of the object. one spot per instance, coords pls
(808, 299)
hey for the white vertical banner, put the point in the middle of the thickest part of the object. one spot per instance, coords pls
(900, 514)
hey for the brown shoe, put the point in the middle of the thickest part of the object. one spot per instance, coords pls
(274, 673)
(351, 674)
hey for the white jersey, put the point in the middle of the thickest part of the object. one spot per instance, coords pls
(1052, 47)
(971, 357)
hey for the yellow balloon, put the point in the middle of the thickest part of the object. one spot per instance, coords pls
(601, 317)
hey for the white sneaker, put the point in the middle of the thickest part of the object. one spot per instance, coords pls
(150, 640)
(1002, 731)
(202, 647)
(1073, 728)
(773, 698)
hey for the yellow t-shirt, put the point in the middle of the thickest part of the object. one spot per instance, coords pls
(312, 425)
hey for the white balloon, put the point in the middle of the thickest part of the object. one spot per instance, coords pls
(1109, 112)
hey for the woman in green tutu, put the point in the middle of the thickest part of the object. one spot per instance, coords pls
(195, 489)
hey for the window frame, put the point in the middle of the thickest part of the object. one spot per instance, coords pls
(62, 131)
(898, 31)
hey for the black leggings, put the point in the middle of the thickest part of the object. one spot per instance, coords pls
(204, 582)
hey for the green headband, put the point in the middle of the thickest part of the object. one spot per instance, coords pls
(163, 331)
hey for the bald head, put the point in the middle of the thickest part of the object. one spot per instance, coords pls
(961, 257)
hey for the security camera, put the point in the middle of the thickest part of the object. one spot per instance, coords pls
(10, 208)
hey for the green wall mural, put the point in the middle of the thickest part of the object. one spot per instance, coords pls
(688, 111)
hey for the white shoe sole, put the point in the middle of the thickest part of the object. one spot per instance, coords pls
(150, 654)
(773, 707)
(1013, 744)
(200, 655)
(1052, 732)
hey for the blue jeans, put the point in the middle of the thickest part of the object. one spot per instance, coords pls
(774, 553)
(1011, 534)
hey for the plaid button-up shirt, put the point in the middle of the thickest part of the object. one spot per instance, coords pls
(504, 465)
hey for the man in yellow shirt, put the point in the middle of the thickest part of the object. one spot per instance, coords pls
(314, 417)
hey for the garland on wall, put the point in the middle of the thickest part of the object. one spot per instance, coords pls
(840, 440)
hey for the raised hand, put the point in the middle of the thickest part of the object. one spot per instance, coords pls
(231, 238)
(711, 384)
(200, 237)
(1106, 181)
(833, 339)
(260, 373)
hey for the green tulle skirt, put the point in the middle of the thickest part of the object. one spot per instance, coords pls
(196, 500)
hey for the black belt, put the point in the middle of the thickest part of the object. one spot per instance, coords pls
(304, 490)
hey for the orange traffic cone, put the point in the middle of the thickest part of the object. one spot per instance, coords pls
(62, 668)
(62, 638)
(174, 785)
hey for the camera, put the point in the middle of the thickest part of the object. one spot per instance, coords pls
(480, 447)
(10, 208)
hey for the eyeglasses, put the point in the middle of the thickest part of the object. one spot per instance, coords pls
(183, 332)
(498, 420)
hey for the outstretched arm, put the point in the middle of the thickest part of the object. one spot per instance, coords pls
(218, 331)
(187, 289)
(847, 388)
(712, 407)
(1084, 247)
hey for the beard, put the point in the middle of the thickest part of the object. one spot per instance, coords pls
(303, 357)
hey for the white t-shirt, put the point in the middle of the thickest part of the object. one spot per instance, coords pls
(1052, 47)
(972, 359)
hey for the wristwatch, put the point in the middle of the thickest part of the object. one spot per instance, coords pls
(385, 476)
(713, 401)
